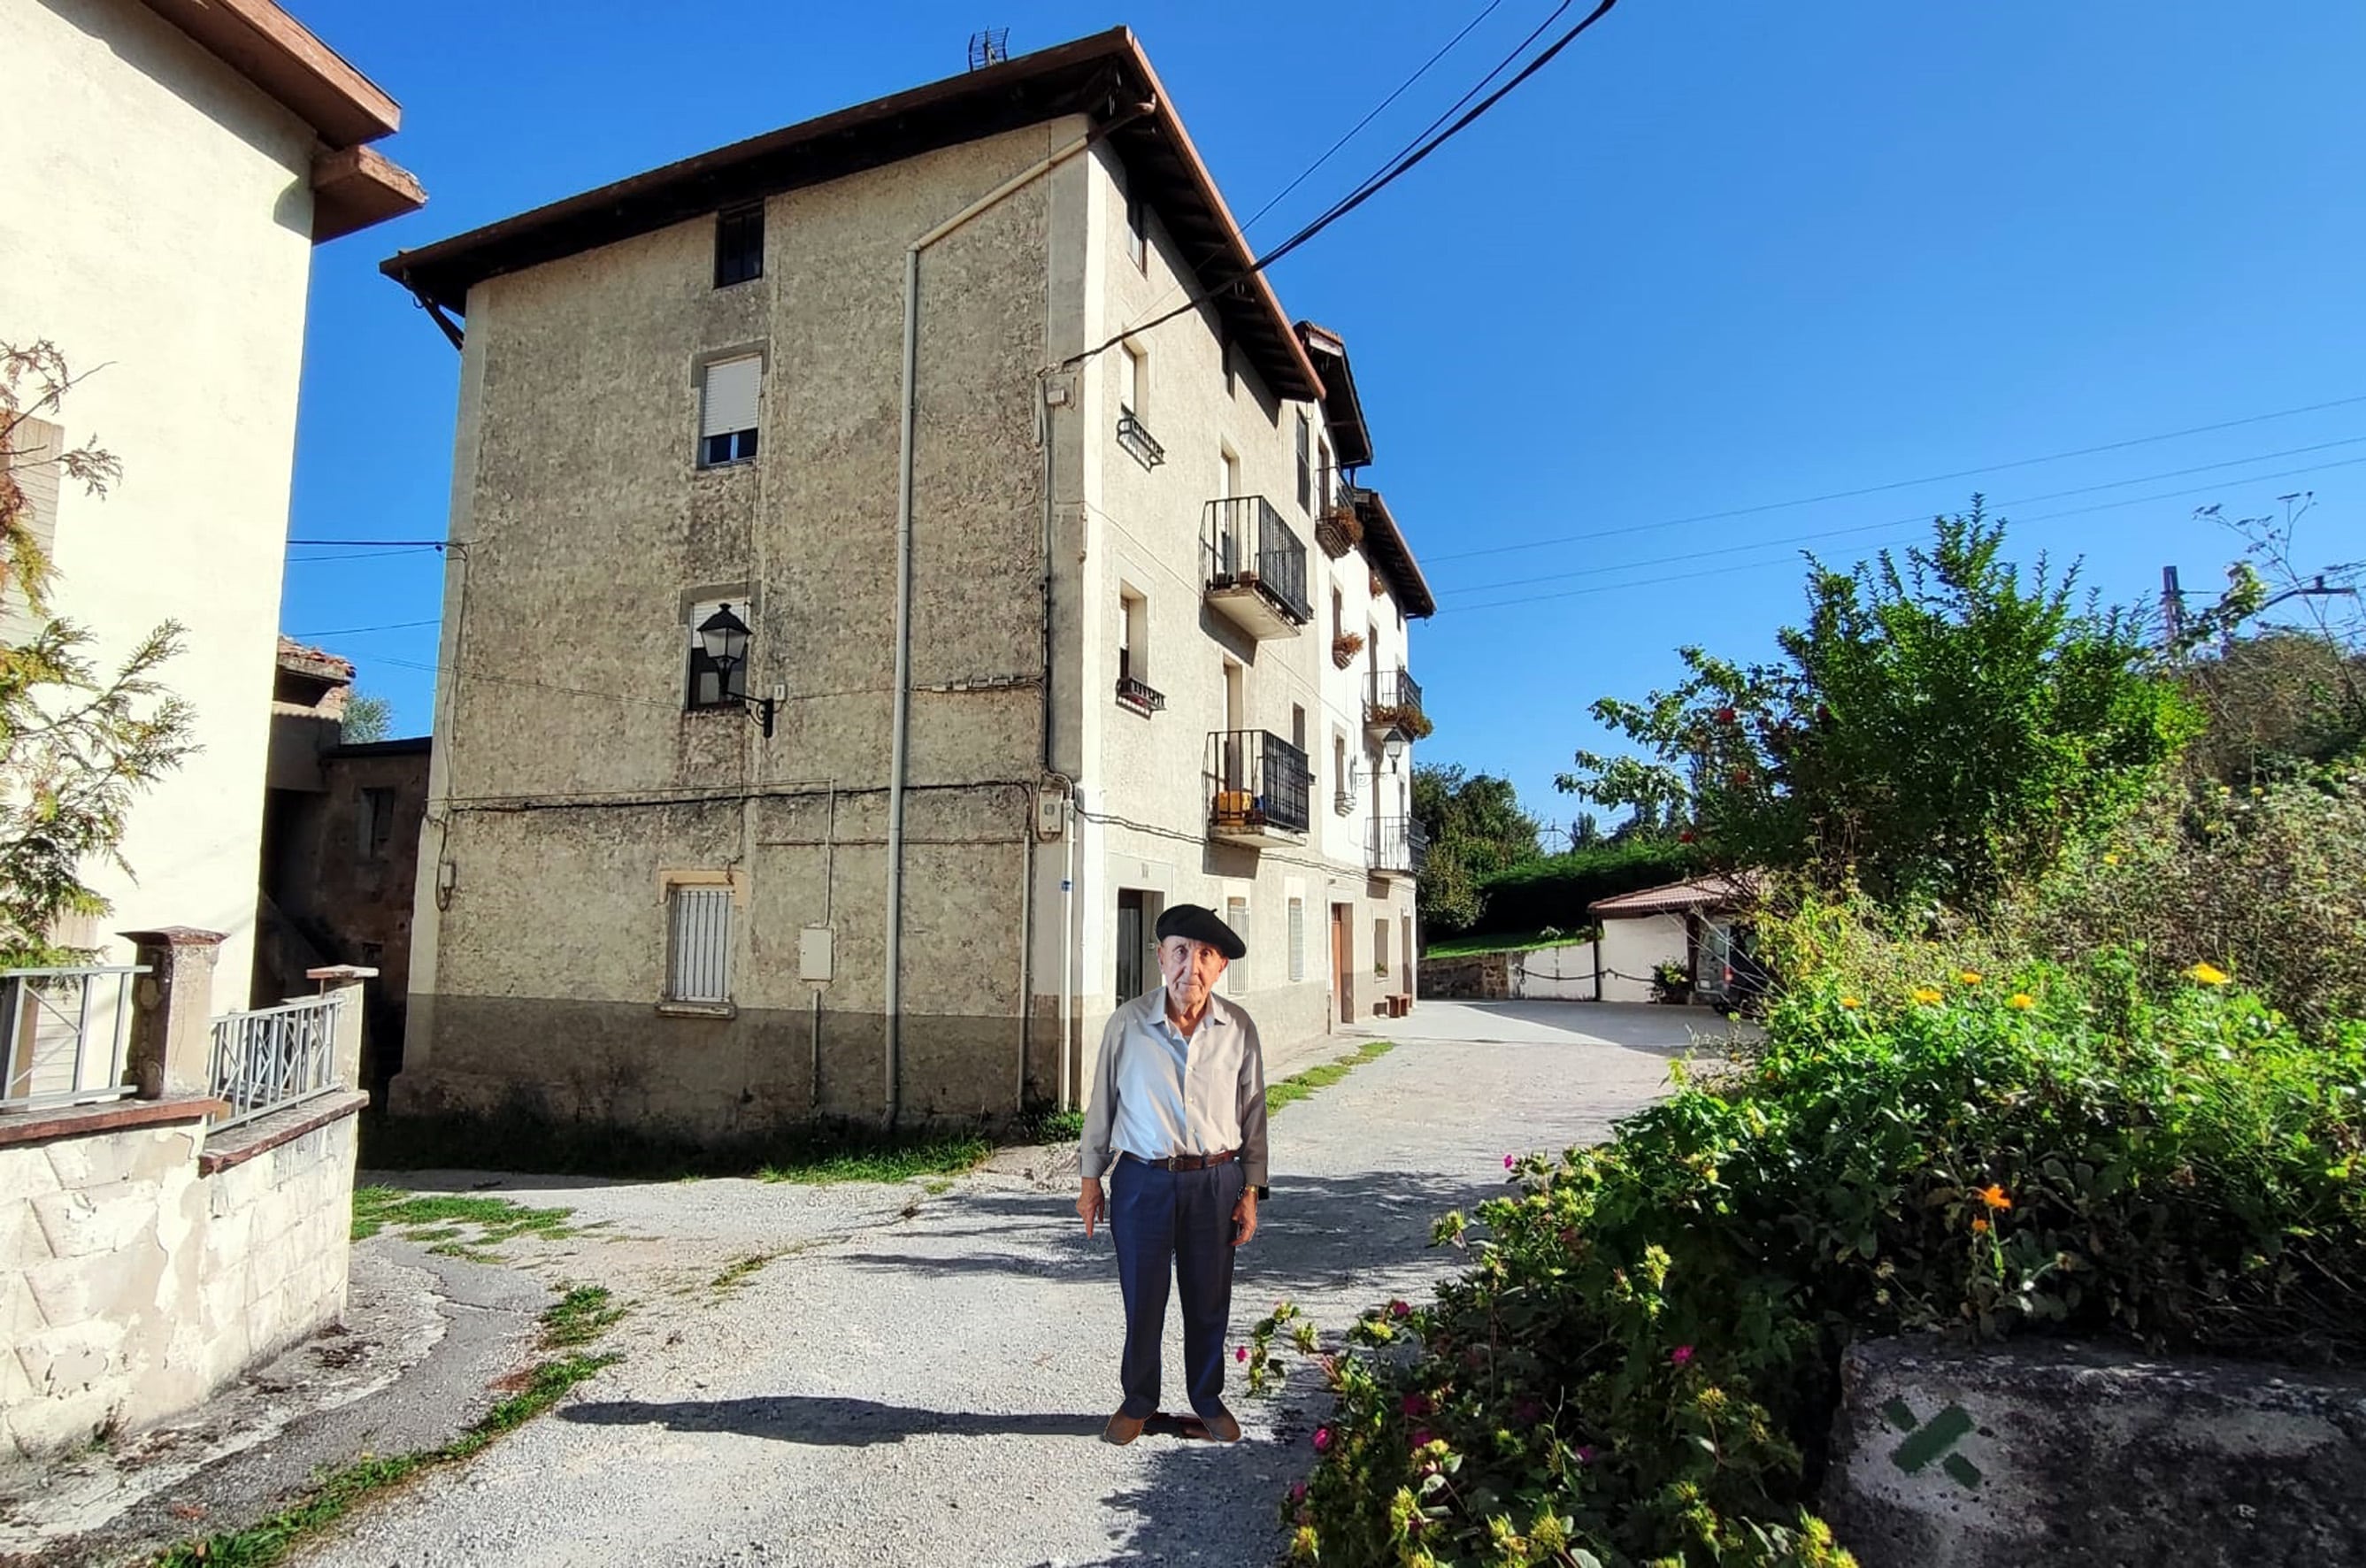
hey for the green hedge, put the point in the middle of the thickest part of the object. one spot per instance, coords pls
(1555, 891)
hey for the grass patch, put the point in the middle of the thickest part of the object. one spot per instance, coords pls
(1057, 1127)
(581, 1315)
(740, 1271)
(1474, 946)
(453, 1224)
(897, 1161)
(1298, 1086)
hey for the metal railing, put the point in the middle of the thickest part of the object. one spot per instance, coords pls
(52, 1056)
(1140, 695)
(1257, 781)
(1244, 543)
(1398, 844)
(273, 1057)
(1134, 436)
(1391, 698)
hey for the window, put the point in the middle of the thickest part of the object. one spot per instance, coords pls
(1232, 371)
(1133, 380)
(698, 946)
(1137, 232)
(1298, 726)
(1338, 613)
(1322, 475)
(719, 637)
(1236, 978)
(738, 246)
(1380, 945)
(30, 451)
(1297, 940)
(729, 393)
(376, 823)
(1305, 462)
(1132, 636)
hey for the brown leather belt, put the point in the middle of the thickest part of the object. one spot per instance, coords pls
(1188, 1162)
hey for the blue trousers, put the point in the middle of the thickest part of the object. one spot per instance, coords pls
(1175, 1224)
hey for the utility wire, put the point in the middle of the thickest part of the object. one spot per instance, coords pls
(1372, 187)
(1901, 484)
(413, 544)
(357, 631)
(1894, 544)
(366, 555)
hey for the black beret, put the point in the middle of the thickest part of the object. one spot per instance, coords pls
(1201, 924)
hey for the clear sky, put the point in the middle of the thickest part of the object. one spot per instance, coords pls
(1718, 257)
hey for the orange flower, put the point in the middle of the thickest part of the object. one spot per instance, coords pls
(1851, 1003)
(1994, 1197)
(2208, 974)
(1926, 995)
(1979, 1227)
(1969, 977)
(2022, 1000)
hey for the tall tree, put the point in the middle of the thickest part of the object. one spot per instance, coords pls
(1475, 827)
(77, 743)
(1938, 729)
(368, 719)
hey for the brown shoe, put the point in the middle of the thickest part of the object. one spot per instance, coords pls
(1121, 1429)
(1221, 1427)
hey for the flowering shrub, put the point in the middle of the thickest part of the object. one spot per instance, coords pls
(1640, 1361)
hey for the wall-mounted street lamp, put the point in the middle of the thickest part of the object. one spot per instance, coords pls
(1392, 746)
(724, 636)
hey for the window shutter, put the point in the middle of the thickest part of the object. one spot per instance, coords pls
(1297, 940)
(699, 966)
(34, 446)
(732, 387)
(1236, 915)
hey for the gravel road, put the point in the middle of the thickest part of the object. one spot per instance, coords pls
(919, 1378)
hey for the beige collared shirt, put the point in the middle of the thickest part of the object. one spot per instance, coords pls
(1157, 1093)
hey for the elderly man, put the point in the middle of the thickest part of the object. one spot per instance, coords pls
(1177, 1122)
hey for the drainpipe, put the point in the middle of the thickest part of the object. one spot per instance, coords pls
(902, 702)
(1067, 961)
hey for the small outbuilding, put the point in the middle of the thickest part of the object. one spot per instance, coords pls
(1700, 925)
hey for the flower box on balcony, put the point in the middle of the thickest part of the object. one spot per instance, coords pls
(1339, 530)
(1344, 647)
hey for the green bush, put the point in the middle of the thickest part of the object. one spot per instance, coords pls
(1556, 889)
(1640, 1365)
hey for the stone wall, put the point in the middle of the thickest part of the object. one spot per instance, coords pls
(142, 1268)
(2077, 1456)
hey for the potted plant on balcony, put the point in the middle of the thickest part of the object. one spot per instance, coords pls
(1403, 716)
(1344, 647)
(1339, 529)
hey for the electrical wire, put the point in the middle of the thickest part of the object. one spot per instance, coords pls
(1902, 484)
(416, 544)
(366, 555)
(358, 631)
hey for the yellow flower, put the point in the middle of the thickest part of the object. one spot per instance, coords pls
(2111, 857)
(1994, 1197)
(1926, 995)
(1851, 1003)
(1979, 1227)
(2021, 1000)
(1969, 977)
(2208, 974)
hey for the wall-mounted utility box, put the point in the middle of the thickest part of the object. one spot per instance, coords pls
(814, 954)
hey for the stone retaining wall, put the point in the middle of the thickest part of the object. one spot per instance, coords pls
(2076, 1457)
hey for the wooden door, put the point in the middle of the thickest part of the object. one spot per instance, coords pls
(1343, 959)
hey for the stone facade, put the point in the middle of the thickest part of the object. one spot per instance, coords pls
(133, 1286)
(576, 797)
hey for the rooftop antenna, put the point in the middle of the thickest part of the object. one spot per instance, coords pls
(988, 46)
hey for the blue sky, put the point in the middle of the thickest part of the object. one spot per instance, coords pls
(1717, 258)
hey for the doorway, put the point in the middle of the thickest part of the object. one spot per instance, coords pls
(1137, 918)
(1343, 959)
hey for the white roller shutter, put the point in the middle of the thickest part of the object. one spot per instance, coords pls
(732, 388)
(699, 967)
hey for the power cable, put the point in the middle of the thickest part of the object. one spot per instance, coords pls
(415, 544)
(1901, 484)
(366, 555)
(357, 631)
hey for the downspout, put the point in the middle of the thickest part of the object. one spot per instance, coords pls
(904, 464)
(1067, 960)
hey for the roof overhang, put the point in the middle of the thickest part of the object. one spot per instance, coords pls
(1700, 895)
(1101, 78)
(358, 187)
(1343, 410)
(1384, 543)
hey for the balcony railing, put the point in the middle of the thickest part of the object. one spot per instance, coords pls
(1134, 436)
(1392, 700)
(273, 1057)
(1255, 567)
(1257, 785)
(1140, 695)
(64, 1035)
(1398, 847)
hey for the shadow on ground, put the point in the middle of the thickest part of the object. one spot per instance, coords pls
(828, 1422)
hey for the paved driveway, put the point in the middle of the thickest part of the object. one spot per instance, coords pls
(919, 1379)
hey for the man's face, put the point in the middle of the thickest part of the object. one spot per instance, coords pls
(1192, 969)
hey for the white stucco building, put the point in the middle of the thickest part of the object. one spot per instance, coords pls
(170, 166)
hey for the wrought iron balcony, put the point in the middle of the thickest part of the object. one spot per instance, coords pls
(1397, 846)
(1255, 567)
(1258, 785)
(1392, 700)
(1134, 436)
(1140, 696)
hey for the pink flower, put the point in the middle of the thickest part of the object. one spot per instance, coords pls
(1298, 1491)
(1509, 1162)
(1240, 1353)
(1583, 1453)
(1416, 1405)
(1682, 1355)
(1398, 1309)
(1322, 1439)
(1421, 1438)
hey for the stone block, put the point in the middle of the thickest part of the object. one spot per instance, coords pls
(20, 1312)
(165, 1151)
(97, 1219)
(118, 1285)
(43, 1425)
(26, 1171)
(22, 1242)
(2078, 1456)
(61, 1362)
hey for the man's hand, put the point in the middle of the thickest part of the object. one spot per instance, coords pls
(1090, 1205)
(1244, 1217)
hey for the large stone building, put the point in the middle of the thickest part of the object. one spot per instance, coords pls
(868, 609)
(170, 167)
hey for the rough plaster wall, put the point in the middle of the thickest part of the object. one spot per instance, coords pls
(131, 1288)
(167, 239)
(1631, 949)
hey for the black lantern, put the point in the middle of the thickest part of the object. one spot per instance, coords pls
(723, 638)
(1393, 745)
